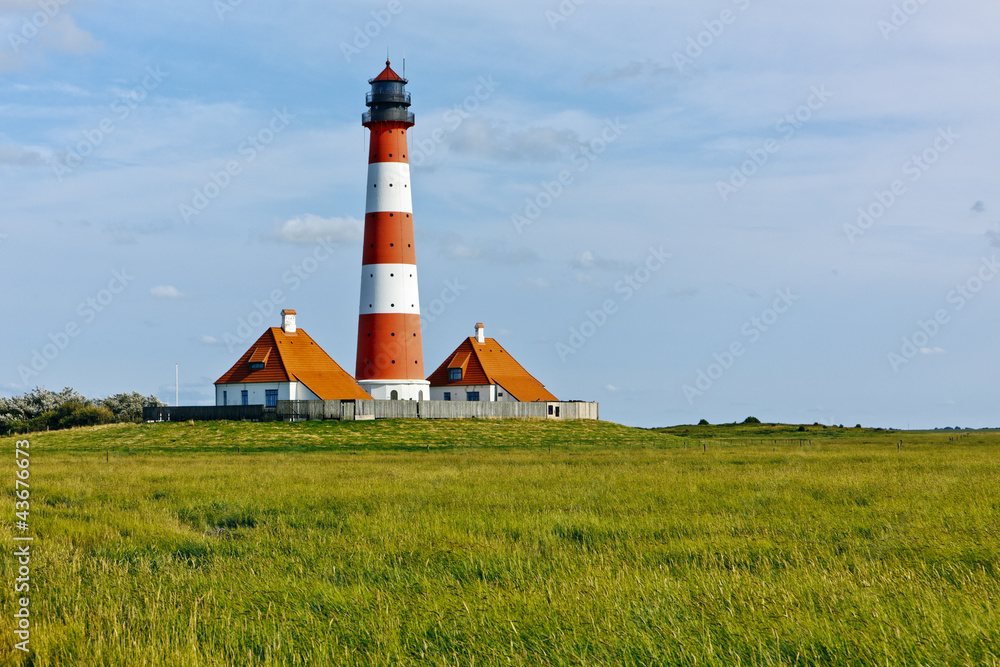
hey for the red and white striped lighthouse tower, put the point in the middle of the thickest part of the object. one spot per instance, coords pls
(390, 363)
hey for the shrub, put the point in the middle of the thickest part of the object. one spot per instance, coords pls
(87, 415)
(751, 420)
(703, 422)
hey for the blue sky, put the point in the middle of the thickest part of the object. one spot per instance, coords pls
(657, 206)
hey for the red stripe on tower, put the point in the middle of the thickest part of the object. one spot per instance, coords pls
(390, 363)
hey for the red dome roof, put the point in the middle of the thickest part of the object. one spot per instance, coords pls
(387, 75)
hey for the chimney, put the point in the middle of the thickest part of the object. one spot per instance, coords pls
(480, 332)
(288, 321)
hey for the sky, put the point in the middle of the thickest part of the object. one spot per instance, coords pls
(681, 210)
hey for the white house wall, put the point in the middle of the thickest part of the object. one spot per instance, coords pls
(256, 392)
(487, 392)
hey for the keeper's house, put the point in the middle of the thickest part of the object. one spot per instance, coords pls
(480, 369)
(285, 364)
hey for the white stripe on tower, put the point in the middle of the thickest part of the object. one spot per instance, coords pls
(388, 188)
(389, 288)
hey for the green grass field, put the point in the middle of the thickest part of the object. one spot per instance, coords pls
(507, 543)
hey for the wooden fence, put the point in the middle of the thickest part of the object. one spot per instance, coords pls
(351, 410)
(372, 409)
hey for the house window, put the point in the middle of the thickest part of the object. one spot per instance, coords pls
(472, 396)
(271, 398)
(225, 397)
(394, 395)
(447, 395)
(256, 365)
(557, 411)
(550, 409)
(499, 394)
(454, 374)
(245, 397)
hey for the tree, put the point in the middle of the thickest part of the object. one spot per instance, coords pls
(751, 420)
(128, 407)
(16, 413)
(41, 409)
(704, 422)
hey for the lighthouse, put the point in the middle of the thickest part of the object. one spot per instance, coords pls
(390, 362)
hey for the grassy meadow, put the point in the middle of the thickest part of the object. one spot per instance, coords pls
(507, 543)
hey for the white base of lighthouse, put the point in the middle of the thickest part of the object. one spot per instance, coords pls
(401, 390)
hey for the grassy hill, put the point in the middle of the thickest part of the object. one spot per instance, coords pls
(505, 542)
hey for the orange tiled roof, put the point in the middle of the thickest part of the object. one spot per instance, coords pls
(294, 358)
(490, 363)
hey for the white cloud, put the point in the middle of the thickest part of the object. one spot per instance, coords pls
(931, 350)
(686, 293)
(459, 250)
(994, 236)
(647, 72)
(586, 260)
(492, 139)
(211, 340)
(314, 229)
(50, 30)
(538, 284)
(491, 251)
(166, 292)
(23, 156)
(62, 34)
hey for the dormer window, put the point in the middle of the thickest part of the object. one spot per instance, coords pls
(258, 359)
(454, 374)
